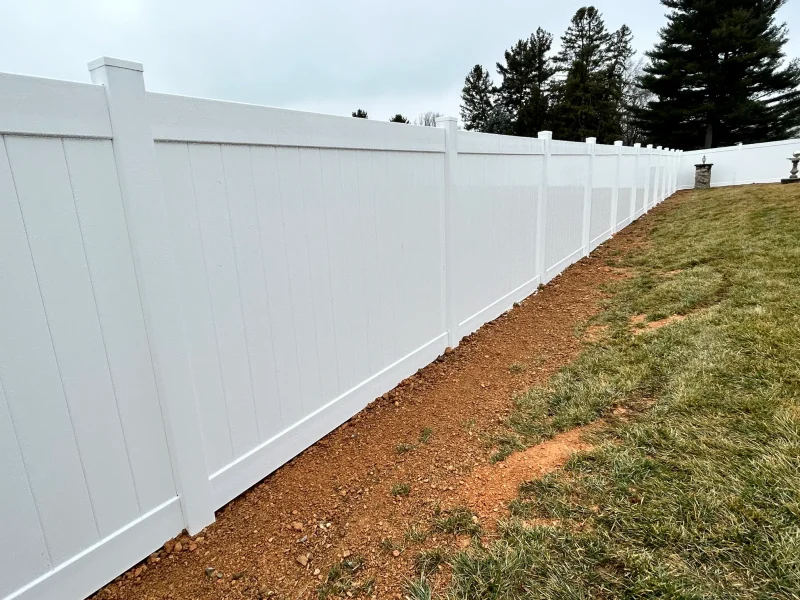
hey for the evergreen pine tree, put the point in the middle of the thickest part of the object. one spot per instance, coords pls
(614, 107)
(719, 76)
(589, 95)
(526, 78)
(499, 121)
(398, 118)
(360, 114)
(476, 99)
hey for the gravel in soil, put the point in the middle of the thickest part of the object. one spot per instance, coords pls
(350, 516)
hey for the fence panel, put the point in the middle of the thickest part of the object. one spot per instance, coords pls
(740, 165)
(311, 276)
(567, 179)
(494, 228)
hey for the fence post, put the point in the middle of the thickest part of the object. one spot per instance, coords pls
(541, 207)
(673, 172)
(145, 213)
(635, 192)
(737, 163)
(587, 199)
(659, 178)
(450, 126)
(615, 190)
(647, 183)
(667, 174)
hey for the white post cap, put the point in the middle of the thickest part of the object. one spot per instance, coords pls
(107, 61)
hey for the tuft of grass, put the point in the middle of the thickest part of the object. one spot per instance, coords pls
(516, 368)
(401, 489)
(506, 444)
(416, 534)
(428, 561)
(458, 520)
(403, 448)
(418, 589)
(388, 545)
(341, 581)
(425, 435)
(699, 495)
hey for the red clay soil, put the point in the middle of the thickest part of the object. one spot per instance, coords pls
(490, 487)
(335, 501)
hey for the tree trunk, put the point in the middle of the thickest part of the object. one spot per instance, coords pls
(709, 135)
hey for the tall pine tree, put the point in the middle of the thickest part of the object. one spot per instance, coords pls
(526, 74)
(476, 99)
(590, 92)
(719, 76)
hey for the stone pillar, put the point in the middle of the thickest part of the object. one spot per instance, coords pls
(702, 176)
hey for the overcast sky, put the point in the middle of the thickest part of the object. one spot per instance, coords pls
(330, 57)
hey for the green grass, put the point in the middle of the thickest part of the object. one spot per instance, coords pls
(401, 489)
(416, 534)
(418, 589)
(458, 520)
(403, 448)
(698, 495)
(425, 435)
(427, 561)
(342, 581)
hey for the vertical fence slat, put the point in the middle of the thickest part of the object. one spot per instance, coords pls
(450, 126)
(587, 198)
(541, 208)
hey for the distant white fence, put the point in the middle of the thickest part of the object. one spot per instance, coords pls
(740, 165)
(193, 291)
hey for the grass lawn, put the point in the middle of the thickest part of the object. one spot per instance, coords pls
(697, 495)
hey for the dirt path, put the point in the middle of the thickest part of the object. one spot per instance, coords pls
(335, 501)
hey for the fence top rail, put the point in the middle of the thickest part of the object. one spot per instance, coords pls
(50, 107)
(789, 142)
(472, 142)
(186, 119)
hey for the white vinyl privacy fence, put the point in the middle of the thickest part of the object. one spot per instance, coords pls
(194, 291)
(740, 165)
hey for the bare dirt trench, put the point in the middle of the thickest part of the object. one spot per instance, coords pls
(335, 500)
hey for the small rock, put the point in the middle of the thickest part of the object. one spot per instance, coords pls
(210, 571)
(192, 547)
(297, 526)
(303, 539)
(219, 575)
(395, 553)
(346, 553)
(236, 576)
(448, 351)
(316, 571)
(169, 546)
(137, 572)
(302, 559)
(178, 547)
